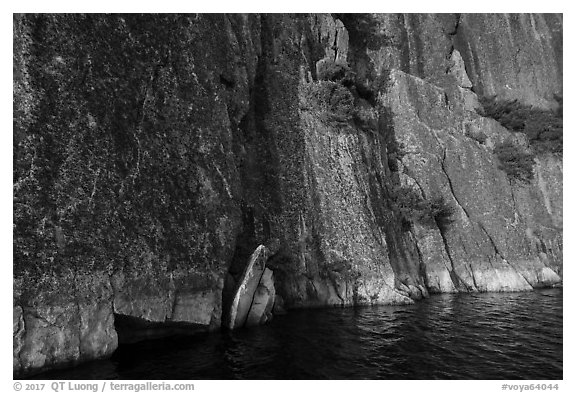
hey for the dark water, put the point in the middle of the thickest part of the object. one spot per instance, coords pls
(460, 336)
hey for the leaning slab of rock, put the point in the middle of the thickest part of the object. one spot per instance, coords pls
(247, 286)
(263, 301)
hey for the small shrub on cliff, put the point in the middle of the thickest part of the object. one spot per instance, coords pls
(478, 136)
(333, 102)
(413, 208)
(516, 162)
(395, 153)
(335, 71)
(543, 127)
(442, 212)
(365, 115)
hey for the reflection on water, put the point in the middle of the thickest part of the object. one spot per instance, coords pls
(450, 336)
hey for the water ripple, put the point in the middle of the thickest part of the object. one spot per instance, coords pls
(449, 336)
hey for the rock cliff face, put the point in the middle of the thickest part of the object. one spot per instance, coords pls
(152, 161)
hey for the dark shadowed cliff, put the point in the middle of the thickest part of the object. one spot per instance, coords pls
(153, 154)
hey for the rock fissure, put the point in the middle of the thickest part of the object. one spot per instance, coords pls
(459, 204)
(21, 328)
(420, 258)
(456, 281)
(514, 204)
(456, 25)
(471, 272)
(335, 44)
(335, 286)
(174, 299)
(79, 311)
(498, 253)
(451, 186)
(252, 299)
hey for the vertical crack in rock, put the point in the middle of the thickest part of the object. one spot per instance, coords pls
(172, 310)
(456, 280)
(333, 282)
(472, 223)
(453, 35)
(514, 204)
(335, 44)
(21, 328)
(498, 253)
(79, 313)
(253, 297)
(20, 352)
(471, 272)
(457, 25)
(174, 293)
(415, 240)
(79, 329)
(443, 166)
(451, 186)
(421, 264)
